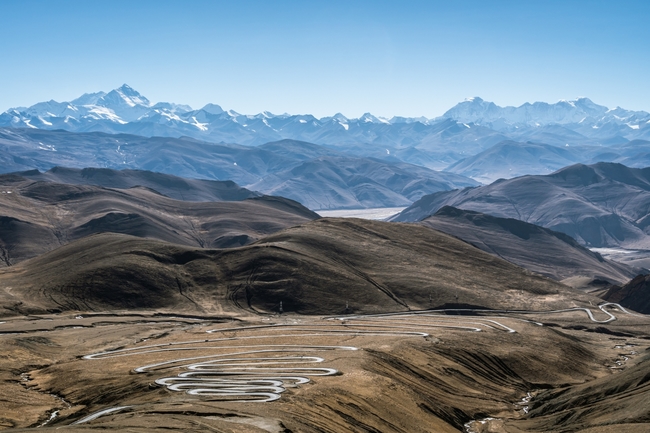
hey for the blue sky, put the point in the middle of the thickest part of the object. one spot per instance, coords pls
(415, 58)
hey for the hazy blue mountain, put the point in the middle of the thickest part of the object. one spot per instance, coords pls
(299, 150)
(600, 205)
(579, 111)
(359, 181)
(511, 159)
(352, 183)
(27, 149)
(635, 154)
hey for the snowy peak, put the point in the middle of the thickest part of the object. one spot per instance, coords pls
(399, 119)
(588, 105)
(473, 109)
(88, 98)
(119, 106)
(536, 114)
(171, 107)
(125, 102)
(129, 93)
(123, 96)
(369, 118)
(51, 109)
(212, 109)
(474, 121)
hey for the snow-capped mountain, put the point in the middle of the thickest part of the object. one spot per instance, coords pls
(578, 111)
(126, 103)
(88, 98)
(124, 110)
(468, 128)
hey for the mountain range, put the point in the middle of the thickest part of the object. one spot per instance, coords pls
(466, 129)
(318, 176)
(581, 111)
(106, 272)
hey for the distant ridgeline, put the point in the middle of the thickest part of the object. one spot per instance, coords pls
(474, 123)
(335, 162)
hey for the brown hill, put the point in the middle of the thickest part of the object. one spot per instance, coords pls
(614, 403)
(172, 186)
(525, 371)
(36, 217)
(535, 248)
(634, 295)
(316, 268)
(599, 205)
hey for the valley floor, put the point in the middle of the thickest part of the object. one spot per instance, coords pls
(635, 258)
(445, 371)
(381, 213)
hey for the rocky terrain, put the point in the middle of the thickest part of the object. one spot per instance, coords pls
(634, 294)
(143, 335)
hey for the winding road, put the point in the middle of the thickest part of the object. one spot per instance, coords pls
(222, 369)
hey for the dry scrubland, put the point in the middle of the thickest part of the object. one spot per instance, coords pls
(408, 373)
(189, 338)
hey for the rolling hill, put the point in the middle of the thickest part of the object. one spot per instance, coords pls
(314, 268)
(599, 205)
(38, 216)
(535, 248)
(169, 185)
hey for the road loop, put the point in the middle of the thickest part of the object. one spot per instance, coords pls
(227, 369)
